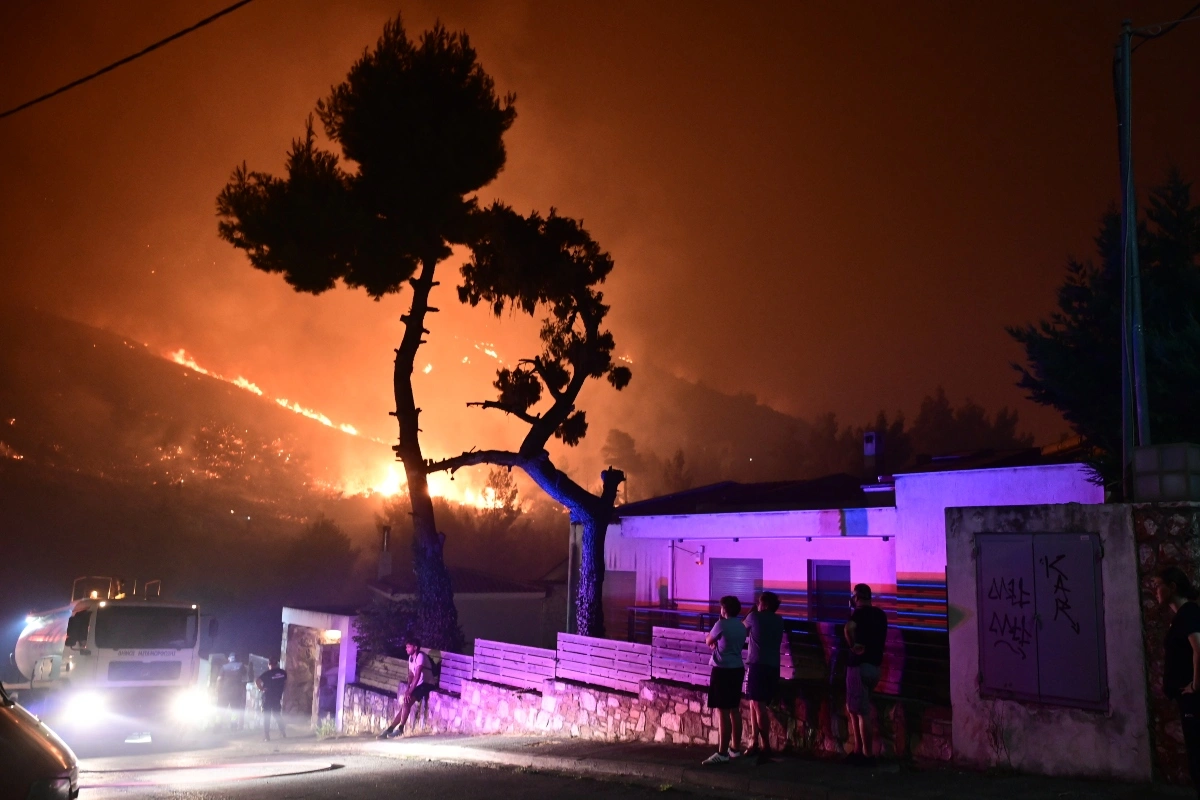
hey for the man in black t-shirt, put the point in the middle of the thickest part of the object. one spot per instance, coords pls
(865, 633)
(1181, 657)
(272, 683)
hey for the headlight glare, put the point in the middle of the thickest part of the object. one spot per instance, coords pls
(190, 705)
(86, 708)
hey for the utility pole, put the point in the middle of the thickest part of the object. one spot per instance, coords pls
(1135, 412)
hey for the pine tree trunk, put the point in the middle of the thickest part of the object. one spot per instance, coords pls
(589, 598)
(437, 617)
(594, 517)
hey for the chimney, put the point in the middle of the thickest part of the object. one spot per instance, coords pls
(385, 553)
(872, 453)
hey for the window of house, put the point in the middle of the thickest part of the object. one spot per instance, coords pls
(828, 591)
(1041, 618)
(740, 577)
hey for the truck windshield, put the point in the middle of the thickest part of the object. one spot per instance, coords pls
(125, 627)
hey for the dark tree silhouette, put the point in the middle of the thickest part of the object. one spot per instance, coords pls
(424, 128)
(1073, 358)
(549, 264)
(940, 428)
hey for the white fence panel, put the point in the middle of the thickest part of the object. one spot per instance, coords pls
(603, 662)
(512, 664)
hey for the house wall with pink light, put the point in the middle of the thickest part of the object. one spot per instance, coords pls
(923, 497)
(885, 546)
(785, 562)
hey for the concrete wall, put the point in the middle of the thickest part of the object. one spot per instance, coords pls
(1114, 743)
(923, 497)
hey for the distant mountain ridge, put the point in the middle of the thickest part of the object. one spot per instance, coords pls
(89, 401)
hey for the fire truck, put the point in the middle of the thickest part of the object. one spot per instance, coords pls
(118, 660)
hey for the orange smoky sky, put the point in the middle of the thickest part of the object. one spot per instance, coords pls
(835, 207)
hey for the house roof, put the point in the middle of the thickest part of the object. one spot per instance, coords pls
(337, 611)
(464, 581)
(994, 459)
(832, 491)
(837, 491)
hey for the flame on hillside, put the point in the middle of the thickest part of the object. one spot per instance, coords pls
(388, 480)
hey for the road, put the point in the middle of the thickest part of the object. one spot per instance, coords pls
(306, 769)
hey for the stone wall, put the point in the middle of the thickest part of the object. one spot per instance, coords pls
(301, 651)
(810, 721)
(1167, 535)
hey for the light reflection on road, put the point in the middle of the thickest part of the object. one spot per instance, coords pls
(200, 775)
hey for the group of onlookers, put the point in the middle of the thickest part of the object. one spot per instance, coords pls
(865, 633)
(231, 694)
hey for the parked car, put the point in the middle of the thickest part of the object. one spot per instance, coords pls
(35, 763)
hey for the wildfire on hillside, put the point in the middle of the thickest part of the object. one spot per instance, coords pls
(386, 480)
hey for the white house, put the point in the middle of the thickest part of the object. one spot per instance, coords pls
(811, 541)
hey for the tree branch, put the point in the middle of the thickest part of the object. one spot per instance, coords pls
(557, 484)
(521, 415)
(498, 458)
(564, 402)
(541, 371)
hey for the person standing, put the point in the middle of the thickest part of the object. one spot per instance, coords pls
(1181, 658)
(231, 691)
(765, 629)
(866, 634)
(420, 684)
(271, 683)
(726, 639)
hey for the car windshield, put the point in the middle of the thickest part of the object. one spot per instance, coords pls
(125, 627)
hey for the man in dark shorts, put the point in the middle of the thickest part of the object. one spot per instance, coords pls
(420, 684)
(726, 639)
(865, 633)
(271, 683)
(765, 629)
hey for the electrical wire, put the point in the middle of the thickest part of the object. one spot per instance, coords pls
(127, 59)
(1145, 37)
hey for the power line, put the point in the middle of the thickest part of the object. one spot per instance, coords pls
(127, 59)
(1161, 31)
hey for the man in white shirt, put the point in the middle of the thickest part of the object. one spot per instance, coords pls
(420, 683)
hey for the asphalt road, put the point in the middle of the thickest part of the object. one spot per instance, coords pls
(350, 772)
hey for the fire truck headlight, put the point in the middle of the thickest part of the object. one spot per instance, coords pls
(190, 705)
(86, 708)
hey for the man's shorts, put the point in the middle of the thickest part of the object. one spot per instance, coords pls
(860, 680)
(761, 682)
(422, 691)
(725, 687)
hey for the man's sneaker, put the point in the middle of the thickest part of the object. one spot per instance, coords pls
(736, 753)
(716, 758)
(385, 735)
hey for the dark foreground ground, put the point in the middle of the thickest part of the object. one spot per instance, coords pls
(528, 767)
